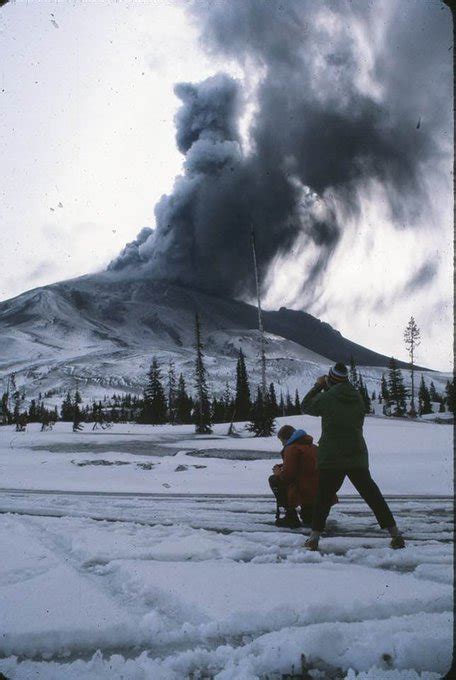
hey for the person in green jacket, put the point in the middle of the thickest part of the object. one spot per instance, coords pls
(342, 452)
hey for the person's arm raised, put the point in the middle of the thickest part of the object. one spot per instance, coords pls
(311, 403)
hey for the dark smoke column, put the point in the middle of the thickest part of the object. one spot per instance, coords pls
(202, 225)
(328, 133)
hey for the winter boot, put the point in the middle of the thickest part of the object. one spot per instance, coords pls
(397, 542)
(290, 521)
(277, 516)
(312, 541)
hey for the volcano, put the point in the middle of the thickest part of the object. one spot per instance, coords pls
(102, 331)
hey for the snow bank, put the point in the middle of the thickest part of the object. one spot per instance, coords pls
(347, 646)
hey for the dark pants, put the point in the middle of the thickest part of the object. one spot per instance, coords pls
(279, 489)
(330, 482)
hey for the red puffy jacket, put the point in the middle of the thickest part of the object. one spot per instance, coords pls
(299, 471)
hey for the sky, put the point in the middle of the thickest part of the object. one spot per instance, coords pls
(88, 148)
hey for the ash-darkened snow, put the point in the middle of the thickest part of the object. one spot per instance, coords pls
(332, 120)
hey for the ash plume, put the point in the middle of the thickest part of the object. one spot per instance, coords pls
(336, 111)
(130, 257)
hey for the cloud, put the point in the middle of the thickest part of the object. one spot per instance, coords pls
(46, 267)
(421, 278)
(341, 88)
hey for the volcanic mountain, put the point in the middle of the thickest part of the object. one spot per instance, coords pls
(102, 331)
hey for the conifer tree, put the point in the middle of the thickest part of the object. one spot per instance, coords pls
(77, 418)
(33, 411)
(243, 403)
(77, 415)
(214, 408)
(262, 423)
(172, 389)
(228, 404)
(435, 396)
(17, 409)
(217, 410)
(396, 389)
(356, 380)
(5, 415)
(364, 393)
(353, 373)
(183, 403)
(67, 409)
(202, 406)
(384, 389)
(450, 396)
(412, 341)
(424, 399)
(297, 404)
(155, 406)
(282, 411)
(95, 414)
(273, 400)
(44, 419)
(289, 408)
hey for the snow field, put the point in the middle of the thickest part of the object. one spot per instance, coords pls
(165, 601)
(141, 573)
(405, 458)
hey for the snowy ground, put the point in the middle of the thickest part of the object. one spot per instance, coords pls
(144, 573)
(406, 457)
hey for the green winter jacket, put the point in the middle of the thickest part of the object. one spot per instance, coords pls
(342, 410)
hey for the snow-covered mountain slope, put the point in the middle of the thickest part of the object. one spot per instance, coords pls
(103, 332)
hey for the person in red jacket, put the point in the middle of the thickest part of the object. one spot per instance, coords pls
(295, 482)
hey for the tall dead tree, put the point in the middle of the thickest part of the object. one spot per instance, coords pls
(202, 406)
(262, 422)
(263, 386)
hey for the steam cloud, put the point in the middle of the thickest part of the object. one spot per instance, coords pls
(336, 109)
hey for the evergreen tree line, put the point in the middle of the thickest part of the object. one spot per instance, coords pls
(167, 399)
(394, 395)
(357, 381)
(12, 410)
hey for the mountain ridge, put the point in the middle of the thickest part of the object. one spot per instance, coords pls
(296, 325)
(103, 330)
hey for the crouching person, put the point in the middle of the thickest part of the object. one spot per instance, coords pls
(295, 482)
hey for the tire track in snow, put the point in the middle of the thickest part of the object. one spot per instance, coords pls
(180, 643)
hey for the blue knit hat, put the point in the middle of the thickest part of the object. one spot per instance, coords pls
(338, 373)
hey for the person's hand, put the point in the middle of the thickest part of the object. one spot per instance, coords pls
(276, 470)
(321, 381)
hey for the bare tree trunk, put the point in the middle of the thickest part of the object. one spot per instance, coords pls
(412, 373)
(260, 316)
(231, 430)
(413, 387)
